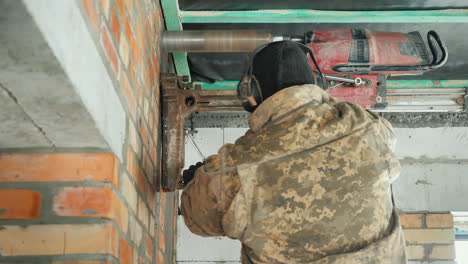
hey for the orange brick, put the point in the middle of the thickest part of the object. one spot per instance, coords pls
(105, 7)
(439, 220)
(20, 204)
(134, 140)
(132, 166)
(136, 234)
(58, 167)
(134, 169)
(149, 247)
(129, 192)
(99, 202)
(156, 120)
(153, 154)
(139, 34)
(146, 109)
(143, 213)
(152, 76)
(91, 10)
(152, 226)
(151, 122)
(110, 50)
(123, 49)
(146, 30)
(148, 166)
(160, 258)
(161, 239)
(132, 76)
(120, 6)
(146, 82)
(115, 25)
(132, 42)
(58, 240)
(135, 258)
(125, 252)
(154, 60)
(129, 6)
(411, 220)
(151, 201)
(140, 95)
(162, 209)
(128, 93)
(137, 7)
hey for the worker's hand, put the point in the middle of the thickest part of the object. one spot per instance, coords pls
(189, 173)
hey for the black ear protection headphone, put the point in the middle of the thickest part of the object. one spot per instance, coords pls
(249, 89)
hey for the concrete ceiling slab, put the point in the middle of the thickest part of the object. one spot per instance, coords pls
(39, 107)
(16, 124)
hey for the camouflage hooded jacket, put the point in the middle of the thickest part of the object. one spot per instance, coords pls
(308, 183)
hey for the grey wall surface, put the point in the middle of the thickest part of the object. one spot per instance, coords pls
(38, 106)
(66, 32)
(434, 175)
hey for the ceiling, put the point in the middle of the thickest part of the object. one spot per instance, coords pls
(38, 105)
(211, 67)
(351, 5)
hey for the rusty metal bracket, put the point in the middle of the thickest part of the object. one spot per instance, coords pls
(180, 99)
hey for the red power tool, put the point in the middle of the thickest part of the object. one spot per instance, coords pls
(355, 62)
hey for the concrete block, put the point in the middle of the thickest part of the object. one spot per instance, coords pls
(429, 236)
(17, 129)
(192, 248)
(415, 252)
(208, 141)
(434, 187)
(432, 143)
(433, 262)
(442, 252)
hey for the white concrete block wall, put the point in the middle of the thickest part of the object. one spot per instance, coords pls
(434, 178)
(444, 143)
(434, 169)
(193, 249)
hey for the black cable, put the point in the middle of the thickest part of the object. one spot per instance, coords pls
(431, 35)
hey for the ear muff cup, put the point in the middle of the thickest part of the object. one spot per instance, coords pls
(249, 90)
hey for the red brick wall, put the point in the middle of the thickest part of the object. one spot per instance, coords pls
(429, 237)
(94, 208)
(128, 34)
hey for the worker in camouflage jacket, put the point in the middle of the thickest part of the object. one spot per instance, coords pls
(308, 183)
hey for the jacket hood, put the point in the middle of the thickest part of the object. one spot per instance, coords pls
(287, 101)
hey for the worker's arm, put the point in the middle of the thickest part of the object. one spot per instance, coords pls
(207, 197)
(387, 133)
(386, 136)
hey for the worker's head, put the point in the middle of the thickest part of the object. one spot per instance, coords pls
(277, 66)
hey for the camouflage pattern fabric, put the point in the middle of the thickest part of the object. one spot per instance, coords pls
(308, 183)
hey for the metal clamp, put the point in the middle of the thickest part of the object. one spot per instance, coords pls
(180, 99)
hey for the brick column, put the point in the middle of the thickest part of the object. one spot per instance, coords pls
(429, 237)
(128, 34)
(88, 208)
